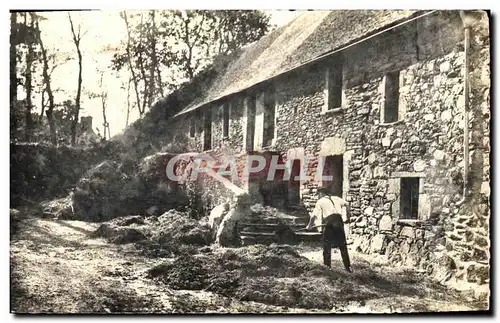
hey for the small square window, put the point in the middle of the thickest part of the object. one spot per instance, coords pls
(199, 125)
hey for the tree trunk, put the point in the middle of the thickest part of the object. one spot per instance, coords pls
(152, 69)
(189, 57)
(144, 78)
(104, 123)
(76, 116)
(128, 102)
(46, 81)
(74, 124)
(103, 102)
(159, 81)
(40, 118)
(29, 85)
(13, 59)
(145, 90)
(130, 65)
(52, 124)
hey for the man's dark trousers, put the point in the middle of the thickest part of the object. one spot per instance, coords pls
(334, 237)
(327, 255)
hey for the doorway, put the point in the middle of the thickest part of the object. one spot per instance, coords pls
(294, 184)
(334, 167)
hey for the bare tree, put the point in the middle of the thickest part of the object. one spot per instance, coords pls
(47, 88)
(131, 67)
(104, 96)
(77, 37)
(13, 58)
(189, 33)
(128, 100)
(182, 42)
(51, 61)
(141, 59)
(154, 63)
(30, 57)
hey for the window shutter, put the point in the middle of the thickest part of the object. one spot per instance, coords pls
(403, 93)
(424, 203)
(395, 188)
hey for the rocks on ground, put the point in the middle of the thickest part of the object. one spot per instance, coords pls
(59, 208)
(227, 234)
(117, 234)
(170, 231)
(216, 216)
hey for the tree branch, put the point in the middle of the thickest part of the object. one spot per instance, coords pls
(131, 67)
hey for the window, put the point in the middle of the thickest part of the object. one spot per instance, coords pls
(225, 120)
(409, 198)
(251, 106)
(192, 127)
(334, 83)
(207, 130)
(199, 125)
(269, 118)
(391, 97)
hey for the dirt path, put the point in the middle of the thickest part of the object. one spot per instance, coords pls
(56, 267)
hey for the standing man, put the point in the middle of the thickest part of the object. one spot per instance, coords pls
(327, 218)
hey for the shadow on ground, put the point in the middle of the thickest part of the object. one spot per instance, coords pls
(278, 275)
(57, 267)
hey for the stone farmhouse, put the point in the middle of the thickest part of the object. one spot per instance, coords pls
(397, 103)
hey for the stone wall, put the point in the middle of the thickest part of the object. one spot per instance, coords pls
(427, 141)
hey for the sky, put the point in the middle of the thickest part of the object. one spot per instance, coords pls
(103, 29)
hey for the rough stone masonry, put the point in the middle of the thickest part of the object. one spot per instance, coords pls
(422, 65)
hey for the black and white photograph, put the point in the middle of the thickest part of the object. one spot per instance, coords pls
(217, 161)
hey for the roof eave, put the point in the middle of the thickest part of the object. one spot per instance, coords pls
(416, 15)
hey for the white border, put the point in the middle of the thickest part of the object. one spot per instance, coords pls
(220, 4)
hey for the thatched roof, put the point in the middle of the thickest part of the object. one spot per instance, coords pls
(305, 38)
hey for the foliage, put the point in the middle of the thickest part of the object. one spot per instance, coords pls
(172, 57)
(31, 67)
(40, 172)
(182, 44)
(77, 37)
(24, 55)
